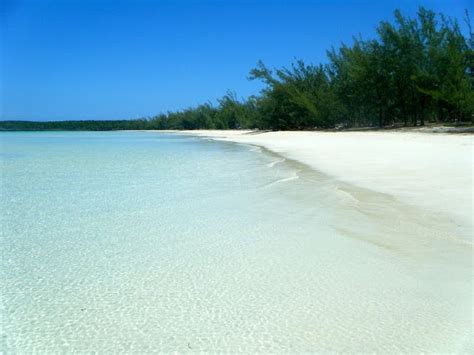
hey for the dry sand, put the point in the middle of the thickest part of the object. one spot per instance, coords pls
(426, 170)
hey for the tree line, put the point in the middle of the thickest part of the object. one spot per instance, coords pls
(74, 125)
(416, 70)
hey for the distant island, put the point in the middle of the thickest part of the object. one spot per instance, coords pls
(418, 70)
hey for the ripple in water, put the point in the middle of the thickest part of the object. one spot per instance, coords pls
(140, 242)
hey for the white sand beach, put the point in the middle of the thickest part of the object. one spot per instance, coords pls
(422, 201)
(410, 193)
(432, 171)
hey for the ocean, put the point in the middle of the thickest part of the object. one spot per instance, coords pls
(144, 241)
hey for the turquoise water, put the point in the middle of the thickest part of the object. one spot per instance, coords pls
(135, 242)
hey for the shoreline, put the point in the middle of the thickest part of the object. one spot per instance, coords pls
(459, 129)
(316, 264)
(430, 171)
(406, 197)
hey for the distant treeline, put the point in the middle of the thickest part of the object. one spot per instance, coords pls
(74, 125)
(417, 70)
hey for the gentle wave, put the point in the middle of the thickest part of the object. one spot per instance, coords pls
(275, 162)
(286, 179)
(254, 148)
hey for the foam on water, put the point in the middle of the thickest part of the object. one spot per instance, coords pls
(136, 242)
(274, 162)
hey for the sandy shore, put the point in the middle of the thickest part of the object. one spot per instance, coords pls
(431, 171)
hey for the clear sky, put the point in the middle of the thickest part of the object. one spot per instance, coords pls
(104, 59)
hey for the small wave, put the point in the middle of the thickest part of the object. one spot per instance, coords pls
(275, 162)
(254, 148)
(346, 195)
(459, 240)
(289, 178)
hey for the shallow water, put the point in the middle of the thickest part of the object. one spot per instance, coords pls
(138, 241)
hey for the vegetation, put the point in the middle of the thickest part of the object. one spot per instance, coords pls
(417, 70)
(73, 125)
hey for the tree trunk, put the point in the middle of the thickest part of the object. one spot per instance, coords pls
(422, 115)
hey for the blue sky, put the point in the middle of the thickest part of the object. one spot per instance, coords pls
(104, 59)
